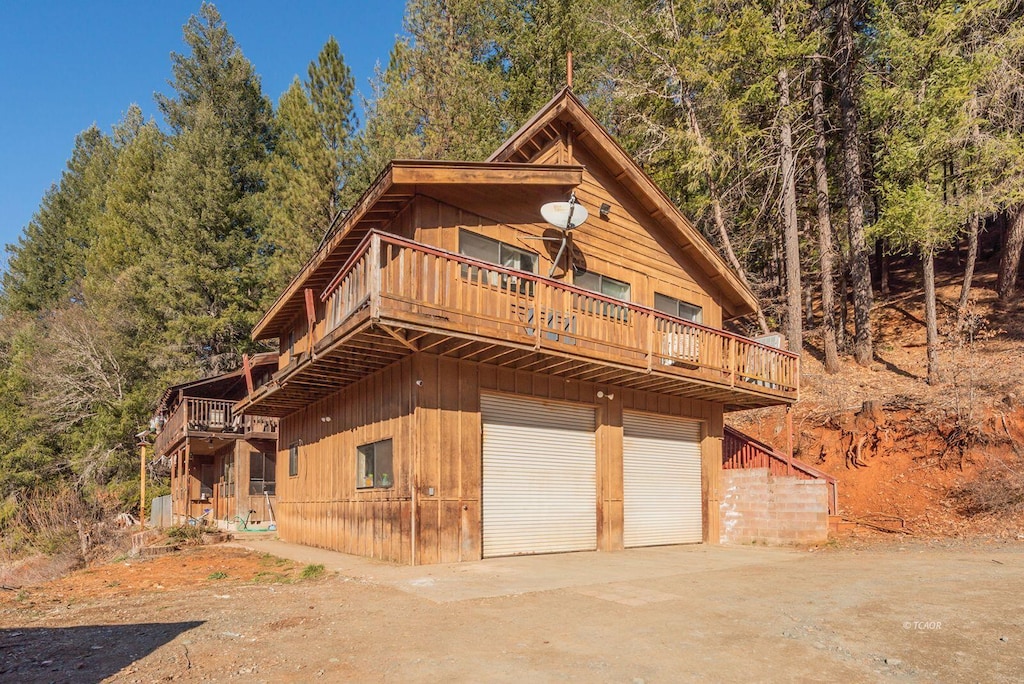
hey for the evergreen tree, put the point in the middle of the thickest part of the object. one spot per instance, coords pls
(210, 281)
(919, 99)
(307, 178)
(46, 266)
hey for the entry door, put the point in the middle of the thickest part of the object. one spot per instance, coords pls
(539, 477)
(661, 480)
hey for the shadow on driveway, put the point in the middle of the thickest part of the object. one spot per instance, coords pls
(88, 653)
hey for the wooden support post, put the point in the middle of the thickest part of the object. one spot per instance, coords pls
(142, 486)
(732, 362)
(310, 320)
(247, 369)
(537, 316)
(789, 440)
(375, 269)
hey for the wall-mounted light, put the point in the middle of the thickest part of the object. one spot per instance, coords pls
(602, 395)
(325, 419)
(605, 210)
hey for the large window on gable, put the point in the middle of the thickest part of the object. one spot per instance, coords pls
(678, 308)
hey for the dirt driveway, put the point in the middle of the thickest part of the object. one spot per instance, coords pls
(910, 612)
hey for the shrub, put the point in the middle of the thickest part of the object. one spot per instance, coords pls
(313, 571)
(988, 494)
(191, 535)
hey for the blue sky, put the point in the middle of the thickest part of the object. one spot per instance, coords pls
(66, 65)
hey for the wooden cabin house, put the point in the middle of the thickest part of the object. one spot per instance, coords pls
(223, 464)
(459, 378)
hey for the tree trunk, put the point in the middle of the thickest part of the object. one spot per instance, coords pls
(719, 218)
(844, 307)
(809, 305)
(828, 305)
(882, 259)
(853, 184)
(931, 317)
(972, 258)
(790, 225)
(1009, 262)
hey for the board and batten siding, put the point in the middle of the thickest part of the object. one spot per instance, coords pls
(321, 505)
(430, 407)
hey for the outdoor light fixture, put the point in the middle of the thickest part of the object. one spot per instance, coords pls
(605, 210)
(602, 395)
(325, 419)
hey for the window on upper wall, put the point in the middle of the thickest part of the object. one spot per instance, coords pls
(678, 308)
(500, 253)
(293, 460)
(261, 473)
(610, 287)
(374, 466)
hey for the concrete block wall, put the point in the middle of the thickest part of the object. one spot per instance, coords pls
(758, 507)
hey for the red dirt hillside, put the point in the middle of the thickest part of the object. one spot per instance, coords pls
(941, 461)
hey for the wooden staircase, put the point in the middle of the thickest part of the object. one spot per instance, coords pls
(740, 450)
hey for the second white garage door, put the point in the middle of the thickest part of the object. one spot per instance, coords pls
(539, 477)
(661, 480)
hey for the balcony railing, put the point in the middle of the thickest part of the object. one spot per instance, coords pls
(405, 281)
(209, 415)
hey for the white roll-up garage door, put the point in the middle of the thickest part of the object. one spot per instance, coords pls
(661, 480)
(539, 477)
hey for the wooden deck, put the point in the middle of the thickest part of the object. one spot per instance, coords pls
(396, 297)
(214, 419)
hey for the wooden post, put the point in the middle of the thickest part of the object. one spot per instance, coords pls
(568, 69)
(537, 321)
(375, 268)
(247, 368)
(310, 320)
(789, 440)
(732, 361)
(142, 486)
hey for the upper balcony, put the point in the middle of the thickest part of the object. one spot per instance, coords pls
(395, 297)
(214, 419)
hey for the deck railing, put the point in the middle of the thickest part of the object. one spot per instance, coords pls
(408, 281)
(208, 415)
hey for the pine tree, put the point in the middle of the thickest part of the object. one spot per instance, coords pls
(45, 267)
(308, 173)
(919, 96)
(205, 210)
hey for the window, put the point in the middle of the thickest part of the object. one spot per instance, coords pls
(293, 460)
(678, 308)
(373, 466)
(500, 253)
(261, 473)
(616, 289)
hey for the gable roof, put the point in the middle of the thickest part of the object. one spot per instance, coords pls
(230, 385)
(397, 184)
(401, 180)
(738, 299)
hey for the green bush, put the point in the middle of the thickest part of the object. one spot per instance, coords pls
(313, 571)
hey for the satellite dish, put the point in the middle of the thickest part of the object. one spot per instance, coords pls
(564, 215)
